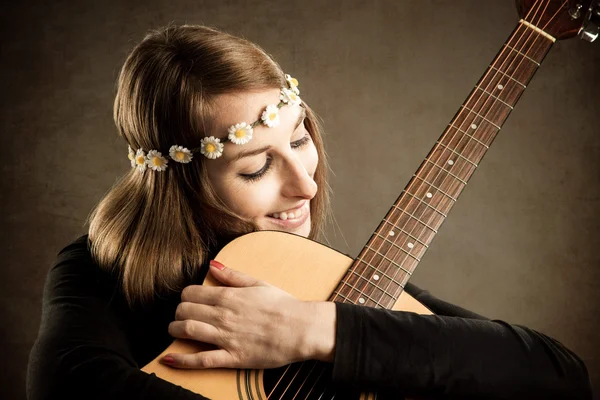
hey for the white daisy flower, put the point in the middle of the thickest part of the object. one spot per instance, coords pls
(131, 156)
(289, 97)
(293, 83)
(140, 160)
(180, 154)
(240, 133)
(156, 161)
(211, 147)
(270, 116)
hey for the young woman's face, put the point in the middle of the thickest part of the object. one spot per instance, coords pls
(272, 175)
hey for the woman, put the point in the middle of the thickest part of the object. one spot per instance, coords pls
(117, 297)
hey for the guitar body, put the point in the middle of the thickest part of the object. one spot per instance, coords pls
(306, 269)
(311, 271)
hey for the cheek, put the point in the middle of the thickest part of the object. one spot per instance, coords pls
(253, 200)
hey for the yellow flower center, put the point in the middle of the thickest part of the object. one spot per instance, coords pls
(157, 161)
(140, 160)
(240, 133)
(179, 155)
(294, 81)
(210, 147)
(293, 96)
(272, 116)
(130, 156)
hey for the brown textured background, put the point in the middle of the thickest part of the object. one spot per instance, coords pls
(386, 77)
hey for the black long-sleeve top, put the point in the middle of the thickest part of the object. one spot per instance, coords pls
(90, 345)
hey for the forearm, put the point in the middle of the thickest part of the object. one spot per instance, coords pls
(423, 355)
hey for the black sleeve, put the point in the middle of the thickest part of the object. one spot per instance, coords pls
(435, 356)
(82, 350)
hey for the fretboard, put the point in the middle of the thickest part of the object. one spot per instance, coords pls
(385, 264)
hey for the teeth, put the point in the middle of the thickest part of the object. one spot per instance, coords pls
(288, 215)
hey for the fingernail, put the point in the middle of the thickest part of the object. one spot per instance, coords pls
(168, 360)
(217, 264)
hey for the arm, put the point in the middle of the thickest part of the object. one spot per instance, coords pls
(429, 355)
(82, 350)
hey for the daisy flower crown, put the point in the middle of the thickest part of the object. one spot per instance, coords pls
(212, 147)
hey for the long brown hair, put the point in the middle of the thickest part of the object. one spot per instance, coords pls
(155, 229)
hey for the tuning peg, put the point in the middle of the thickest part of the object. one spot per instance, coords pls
(590, 30)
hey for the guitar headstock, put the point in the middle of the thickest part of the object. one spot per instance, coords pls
(562, 19)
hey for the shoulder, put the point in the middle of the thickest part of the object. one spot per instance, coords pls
(74, 266)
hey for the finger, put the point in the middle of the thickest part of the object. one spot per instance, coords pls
(199, 294)
(199, 312)
(195, 330)
(231, 277)
(203, 360)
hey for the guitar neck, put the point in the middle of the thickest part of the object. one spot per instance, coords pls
(385, 264)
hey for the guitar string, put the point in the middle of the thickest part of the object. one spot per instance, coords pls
(536, 36)
(515, 35)
(443, 150)
(478, 113)
(466, 102)
(400, 212)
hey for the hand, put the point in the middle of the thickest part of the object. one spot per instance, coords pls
(254, 324)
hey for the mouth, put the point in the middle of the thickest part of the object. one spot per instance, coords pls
(291, 218)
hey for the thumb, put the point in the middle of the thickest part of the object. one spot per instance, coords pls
(231, 277)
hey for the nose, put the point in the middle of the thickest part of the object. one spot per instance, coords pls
(298, 182)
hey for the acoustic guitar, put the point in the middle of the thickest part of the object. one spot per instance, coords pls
(376, 278)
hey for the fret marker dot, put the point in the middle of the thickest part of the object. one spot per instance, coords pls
(376, 277)
(410, 245)
(450, 162)
(361, 300)
(474, 126)
(392, 233)
(429, 195)
(500, 87)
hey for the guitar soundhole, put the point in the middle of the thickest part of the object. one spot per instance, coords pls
(309, 380)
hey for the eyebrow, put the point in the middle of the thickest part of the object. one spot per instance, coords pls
(254, 152)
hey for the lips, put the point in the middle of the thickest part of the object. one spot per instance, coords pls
(301, 215)
(292, 213)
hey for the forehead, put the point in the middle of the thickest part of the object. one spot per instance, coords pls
(233, 108)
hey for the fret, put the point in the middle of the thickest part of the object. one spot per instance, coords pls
(524, 55)
(515, 65)
(440, 202)
(509, 77)
(493, 111)
(507, 90)
(481, 116)
(360, 294)
(434, 174)
(470, 149)
(461, 170)
(470, 136)
(478, 128)
(495, 98)
(371, 295)
(532, 43)
(384, 245)
(357, 301)
(416, 228)
(368, 281)
(432, 219)
(392, 261)
(404, 232)
(381, 272)
(412, 216)
(457, 153)
(436, 188)
(427, 204)
(446, 171)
